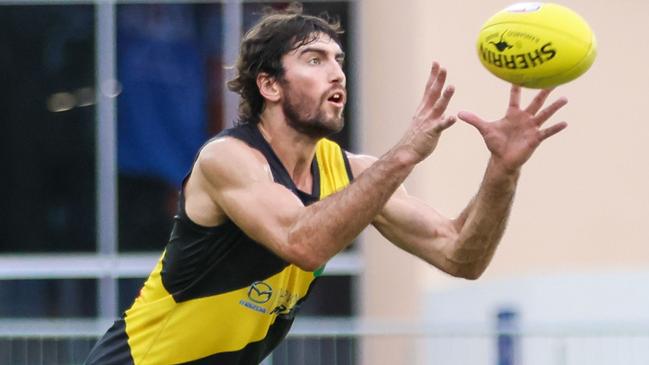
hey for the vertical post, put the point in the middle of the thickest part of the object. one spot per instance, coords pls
(562, 351)
(233, 20)
(268, 360)
(507, 327)
(355, 40)
(106, 147)
(356, 115)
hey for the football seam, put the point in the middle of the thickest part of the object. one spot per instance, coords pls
(546, 28)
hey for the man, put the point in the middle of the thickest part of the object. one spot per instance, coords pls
(269, 202)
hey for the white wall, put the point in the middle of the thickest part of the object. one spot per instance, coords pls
(588, 317)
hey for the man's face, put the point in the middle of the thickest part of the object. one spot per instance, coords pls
(313, 88)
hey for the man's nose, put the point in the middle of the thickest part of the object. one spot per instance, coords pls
(337, 75)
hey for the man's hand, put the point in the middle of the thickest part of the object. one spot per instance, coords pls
(513, 139)
(429, 120)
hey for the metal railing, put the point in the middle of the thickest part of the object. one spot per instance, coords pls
(347, 342)
(92, 266)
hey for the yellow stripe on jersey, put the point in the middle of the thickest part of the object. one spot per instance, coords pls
(333, 174)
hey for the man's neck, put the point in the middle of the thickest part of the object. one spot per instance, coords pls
(294, 149)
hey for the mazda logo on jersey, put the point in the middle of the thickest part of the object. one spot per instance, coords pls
(260, 292)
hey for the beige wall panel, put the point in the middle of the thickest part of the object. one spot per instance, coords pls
(391, 68)
(583, 198)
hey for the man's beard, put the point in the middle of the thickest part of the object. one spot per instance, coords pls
(314, 126)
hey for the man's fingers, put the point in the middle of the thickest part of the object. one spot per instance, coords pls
(442, 103)
(515, 96)
(447, 122)
(425, 101)
(436, 89)
(546, 113)
(472, 119)
(433, 75)
(538, 101)
(433, 93)
(551, 131)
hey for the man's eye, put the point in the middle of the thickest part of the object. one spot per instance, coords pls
(314, 61)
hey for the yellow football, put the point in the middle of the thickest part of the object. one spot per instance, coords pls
(536, 45)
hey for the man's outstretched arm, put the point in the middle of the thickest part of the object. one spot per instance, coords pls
(464, 246)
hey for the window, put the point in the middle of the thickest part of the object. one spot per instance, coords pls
(169, 99)
(48, 126)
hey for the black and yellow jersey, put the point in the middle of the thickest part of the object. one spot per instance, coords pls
(215, 295)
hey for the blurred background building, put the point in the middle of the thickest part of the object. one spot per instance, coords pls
(104, 105)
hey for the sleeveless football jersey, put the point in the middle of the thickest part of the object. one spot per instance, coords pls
(215, 295)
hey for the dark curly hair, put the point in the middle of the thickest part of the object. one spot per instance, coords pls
(263, 46)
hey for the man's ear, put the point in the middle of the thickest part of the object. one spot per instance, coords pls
(268, 87)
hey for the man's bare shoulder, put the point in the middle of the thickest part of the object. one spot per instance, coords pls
(228, 159)
(225, 166)
(360, 162)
